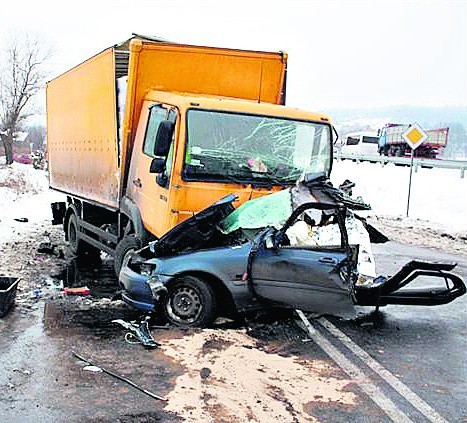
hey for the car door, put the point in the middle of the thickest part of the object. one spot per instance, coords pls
(314, 279)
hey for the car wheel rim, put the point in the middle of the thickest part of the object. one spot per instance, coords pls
(184, 305)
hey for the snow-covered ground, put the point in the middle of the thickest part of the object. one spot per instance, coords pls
(24, 193)
(438, 196)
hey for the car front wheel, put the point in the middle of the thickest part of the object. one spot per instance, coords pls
(190, 302)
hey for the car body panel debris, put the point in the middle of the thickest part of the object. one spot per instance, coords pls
(139, 331)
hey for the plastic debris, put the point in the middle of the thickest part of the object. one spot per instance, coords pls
(139, 331)
(94, 369)
(83, 290)
(46, 248)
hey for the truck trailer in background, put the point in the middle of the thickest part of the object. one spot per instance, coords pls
(147, 133)
(391, 142)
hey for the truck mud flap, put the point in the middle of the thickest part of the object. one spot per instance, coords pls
(385, 291)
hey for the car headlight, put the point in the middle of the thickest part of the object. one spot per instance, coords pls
(146, 269)
(139, 265)
(156, 286)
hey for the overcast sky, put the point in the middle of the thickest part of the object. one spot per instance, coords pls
(341, 53)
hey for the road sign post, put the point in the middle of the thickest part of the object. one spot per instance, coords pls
(413, 136)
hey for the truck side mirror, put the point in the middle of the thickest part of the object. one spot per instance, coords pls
(163, 138)
(157, 165)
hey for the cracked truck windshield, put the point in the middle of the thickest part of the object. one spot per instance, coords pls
(224, 146)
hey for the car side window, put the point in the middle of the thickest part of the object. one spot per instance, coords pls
(156, 115)
(306, 233)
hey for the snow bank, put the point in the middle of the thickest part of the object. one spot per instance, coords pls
(24, 193)
(18, 180)
(438, 195)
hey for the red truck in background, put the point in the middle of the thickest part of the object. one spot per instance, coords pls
(391, 142)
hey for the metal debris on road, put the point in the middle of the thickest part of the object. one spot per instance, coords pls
(46, 248)
(8, 287)
(123, 379)
(139, 331)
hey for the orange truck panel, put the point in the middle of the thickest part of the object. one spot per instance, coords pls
(83, 144)
(248, 75)
(82, 131)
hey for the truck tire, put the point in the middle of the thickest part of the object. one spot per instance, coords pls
(190, 301)
(127, 244)
(76, 245)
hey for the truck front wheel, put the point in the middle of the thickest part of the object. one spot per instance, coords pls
(128, 244)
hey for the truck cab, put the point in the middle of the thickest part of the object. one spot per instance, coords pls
(218, 146)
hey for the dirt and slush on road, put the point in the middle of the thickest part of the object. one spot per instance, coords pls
(258, 368)
(255, 369)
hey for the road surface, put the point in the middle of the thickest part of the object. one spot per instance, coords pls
(404, 364)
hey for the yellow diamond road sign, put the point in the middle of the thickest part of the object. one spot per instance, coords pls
(414, 135)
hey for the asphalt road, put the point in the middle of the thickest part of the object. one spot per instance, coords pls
(423, 347)
(408, 362)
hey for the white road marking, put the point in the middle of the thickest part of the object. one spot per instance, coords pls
(383, 402)
(385, 374)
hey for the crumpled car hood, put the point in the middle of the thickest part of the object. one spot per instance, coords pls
(221, 218)
(196, 230)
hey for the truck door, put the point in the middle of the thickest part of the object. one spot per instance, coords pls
(150, 191)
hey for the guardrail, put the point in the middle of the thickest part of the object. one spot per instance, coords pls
(405, 161)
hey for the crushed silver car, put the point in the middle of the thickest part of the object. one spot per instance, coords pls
(298, 248)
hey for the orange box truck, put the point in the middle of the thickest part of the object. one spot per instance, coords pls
(147, 133)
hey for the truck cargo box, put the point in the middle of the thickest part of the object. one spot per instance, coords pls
(87, 156)
(436, 137)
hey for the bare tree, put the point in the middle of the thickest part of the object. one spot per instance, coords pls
(36, 136)
(21, 78)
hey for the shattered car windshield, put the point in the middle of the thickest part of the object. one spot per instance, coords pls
(224, 146)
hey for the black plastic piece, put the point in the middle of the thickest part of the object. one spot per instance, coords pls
(8, 288)
(58, 212)
(164, 138)
(385, 291)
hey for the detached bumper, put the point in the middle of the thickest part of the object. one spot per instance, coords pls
(385, 291)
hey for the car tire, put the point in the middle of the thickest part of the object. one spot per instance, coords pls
(127, 244)
(190, 302)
